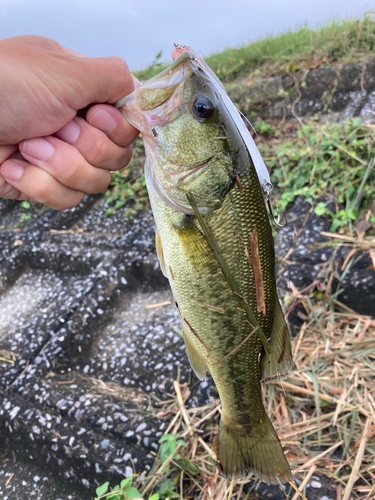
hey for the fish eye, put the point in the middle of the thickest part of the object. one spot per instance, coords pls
(203, 107)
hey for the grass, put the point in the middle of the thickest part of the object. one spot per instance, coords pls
(128, 186)
(324, 412)
(324, 163)
(337, 42)
(332, 162)
(329, 161)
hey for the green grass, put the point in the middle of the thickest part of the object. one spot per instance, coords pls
(337, 42)
(332, 161)
(321, 162)
(128, 186)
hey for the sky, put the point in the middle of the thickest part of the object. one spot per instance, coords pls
(137, 30)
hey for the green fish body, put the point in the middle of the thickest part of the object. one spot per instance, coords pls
(194, 149)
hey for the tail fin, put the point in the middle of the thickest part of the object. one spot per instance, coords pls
(240, 452)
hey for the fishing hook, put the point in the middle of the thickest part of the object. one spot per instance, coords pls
(267, 188)
(277, 219)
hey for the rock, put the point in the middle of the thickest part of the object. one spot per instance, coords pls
(299, 241)
(345, 90)
(87, 362)
(367, 112)
(75, 405)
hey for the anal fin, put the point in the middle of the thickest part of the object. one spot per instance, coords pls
(277, 365)
(197, 362)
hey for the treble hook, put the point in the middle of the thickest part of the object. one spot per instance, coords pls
(277, 220)
(267, 188)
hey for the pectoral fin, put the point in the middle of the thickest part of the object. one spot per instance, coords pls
(277, 365)
(197, 362)
(160, 253)
(196, 248)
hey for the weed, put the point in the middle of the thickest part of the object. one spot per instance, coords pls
(25, 204)
(128, 186)
(121, 492)
(155, 67)
(339, 42)
(25, 216)
(170, 442)
(328, 161)
(344, 41)
(264, 128)
(323, 161)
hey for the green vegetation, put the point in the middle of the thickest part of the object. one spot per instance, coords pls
(27, 213)
(25, 216)
(323, 419)
(128, 186)
(173, 466)
(120, 492)
(329, 162)
(342, 42)
(124, 491)
(321, 162)
(318, 162)
(338, 42)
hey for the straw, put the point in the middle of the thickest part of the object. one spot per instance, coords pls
(324, 413)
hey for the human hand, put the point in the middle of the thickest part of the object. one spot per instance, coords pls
(47, 153)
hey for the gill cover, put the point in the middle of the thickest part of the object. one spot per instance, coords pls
(260, 167)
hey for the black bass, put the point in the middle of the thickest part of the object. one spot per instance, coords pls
(206, 182)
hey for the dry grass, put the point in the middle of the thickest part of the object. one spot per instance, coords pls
(324, 413)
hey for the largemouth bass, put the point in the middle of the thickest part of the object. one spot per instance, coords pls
(204, 176)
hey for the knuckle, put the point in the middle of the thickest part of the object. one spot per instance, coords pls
(68, 171)
(101, 183)
(120, 69)
(42, 194)
(98, 153)
(8, 191)
(120, 65)
(71, 201)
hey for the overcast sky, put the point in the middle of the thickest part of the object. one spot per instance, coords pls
(137, 30)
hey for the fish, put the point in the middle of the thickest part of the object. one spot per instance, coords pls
(208, 187)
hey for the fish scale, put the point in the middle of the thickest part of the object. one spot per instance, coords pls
(192, 157)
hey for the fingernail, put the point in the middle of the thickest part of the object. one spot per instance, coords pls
(13, 170)
(38, 149)
(70, 132)
(103, 120)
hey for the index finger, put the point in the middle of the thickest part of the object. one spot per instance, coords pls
(100, 80)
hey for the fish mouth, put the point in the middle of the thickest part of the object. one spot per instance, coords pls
(182, 178)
